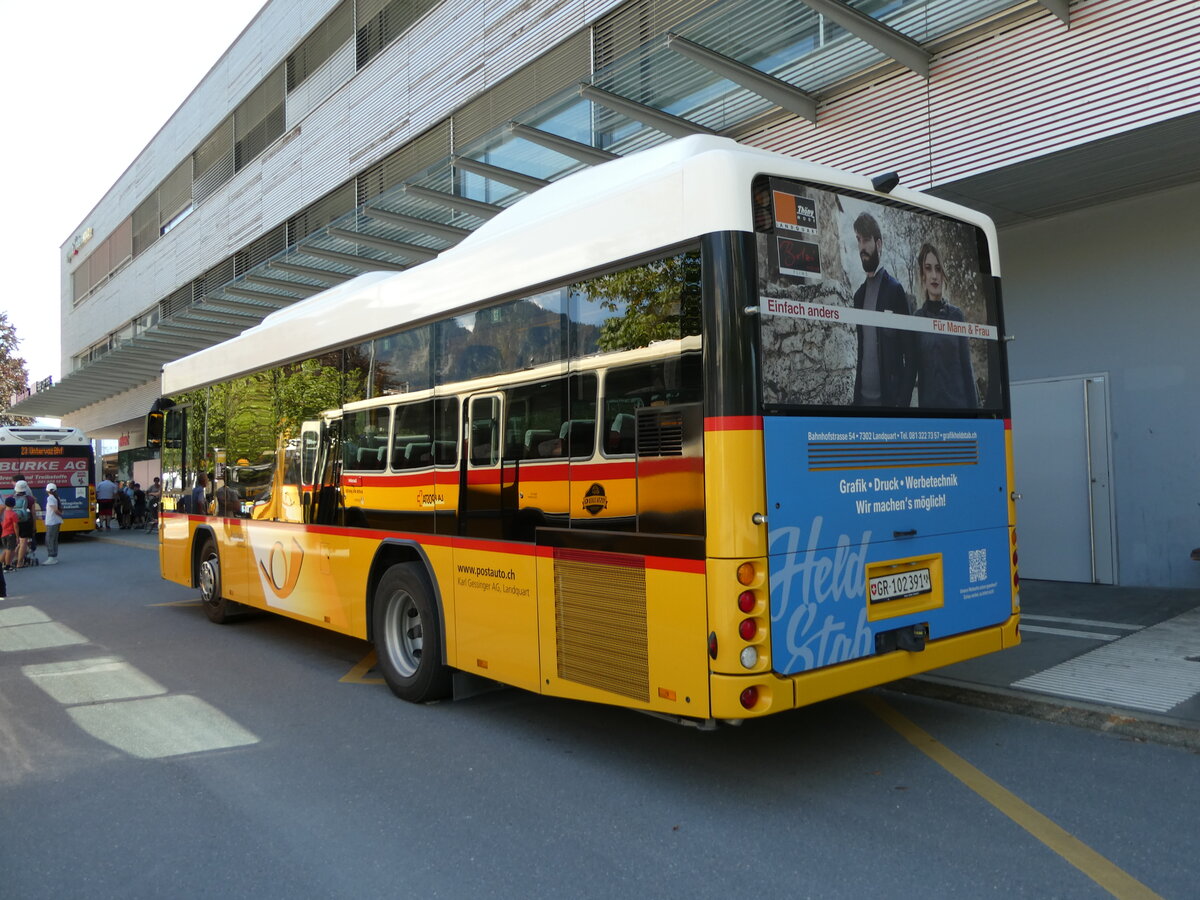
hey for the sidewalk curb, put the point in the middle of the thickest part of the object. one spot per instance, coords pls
(1126, 723)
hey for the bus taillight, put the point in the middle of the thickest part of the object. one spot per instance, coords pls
(750, 602)
(749, 697)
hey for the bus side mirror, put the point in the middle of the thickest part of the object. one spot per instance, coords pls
(154, 429)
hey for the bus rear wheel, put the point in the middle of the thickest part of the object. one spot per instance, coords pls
(408, 638)
(208, 576)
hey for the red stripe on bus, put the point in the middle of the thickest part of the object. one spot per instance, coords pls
(733, 423)
(661, 563)
(600, 558)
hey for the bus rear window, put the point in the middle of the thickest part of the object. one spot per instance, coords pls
(873, 306)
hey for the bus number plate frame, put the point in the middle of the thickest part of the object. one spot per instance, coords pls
(900, 585)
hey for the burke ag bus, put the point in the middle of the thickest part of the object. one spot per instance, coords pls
(60, 456)
(705, 431)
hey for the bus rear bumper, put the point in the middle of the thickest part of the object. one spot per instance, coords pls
(776, 693)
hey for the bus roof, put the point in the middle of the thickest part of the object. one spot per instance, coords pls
(630, 207)
(41, 434)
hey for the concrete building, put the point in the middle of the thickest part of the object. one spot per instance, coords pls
(339, 136)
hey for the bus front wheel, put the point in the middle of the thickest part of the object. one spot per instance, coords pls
(408, 638)
(216, 607)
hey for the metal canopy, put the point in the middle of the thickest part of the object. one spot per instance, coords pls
(278, 301)
(328, 276)
(774, 89)
(584, 153)
(292, 287)
(435, 229)
(519, 180)
(884, 38)
(413, 251)
(639, 112)
(362, 263)
(450, 201)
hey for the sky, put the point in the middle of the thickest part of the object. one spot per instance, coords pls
(90, 84)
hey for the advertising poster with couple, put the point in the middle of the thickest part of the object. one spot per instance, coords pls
(888, 307)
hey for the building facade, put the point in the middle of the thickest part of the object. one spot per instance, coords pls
(341, 136)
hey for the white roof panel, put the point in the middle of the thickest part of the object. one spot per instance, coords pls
(623, 209)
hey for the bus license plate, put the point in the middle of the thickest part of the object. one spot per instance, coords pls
(900, 584)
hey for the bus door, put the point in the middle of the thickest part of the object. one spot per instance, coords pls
(230, 525)
(326, 504)
(310, 442)
(495, 594)
(480, 507)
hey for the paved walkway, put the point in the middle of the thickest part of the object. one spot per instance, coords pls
(1119, 659)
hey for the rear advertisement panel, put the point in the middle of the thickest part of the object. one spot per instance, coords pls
(874, 529)
(883, 393)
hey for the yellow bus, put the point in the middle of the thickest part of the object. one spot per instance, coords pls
(706, 432)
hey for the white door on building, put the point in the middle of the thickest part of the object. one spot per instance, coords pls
(1065, 527)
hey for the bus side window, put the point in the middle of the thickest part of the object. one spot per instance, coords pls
(485, 439)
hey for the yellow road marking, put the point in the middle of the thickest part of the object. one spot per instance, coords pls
(358, 675)
(1105, 873)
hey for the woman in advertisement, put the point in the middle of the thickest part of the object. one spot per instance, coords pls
(945, 377)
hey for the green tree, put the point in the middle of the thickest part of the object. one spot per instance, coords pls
(655, 302)
(14, 378)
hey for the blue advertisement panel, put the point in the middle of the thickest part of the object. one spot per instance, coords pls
(880, 524)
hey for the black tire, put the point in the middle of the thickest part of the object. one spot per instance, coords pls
(208, 576)
(408, 635)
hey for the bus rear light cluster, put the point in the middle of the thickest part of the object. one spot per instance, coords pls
(750, 603)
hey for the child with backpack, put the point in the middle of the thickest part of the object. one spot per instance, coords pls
(26, 508)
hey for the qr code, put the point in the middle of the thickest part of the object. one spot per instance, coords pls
(977, 564)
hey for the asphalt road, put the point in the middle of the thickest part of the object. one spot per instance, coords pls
(145, 752)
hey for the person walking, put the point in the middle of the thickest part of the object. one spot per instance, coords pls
(54, 521)
(106, 493)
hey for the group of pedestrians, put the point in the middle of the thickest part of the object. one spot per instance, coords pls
(126, 503)
(17, 529)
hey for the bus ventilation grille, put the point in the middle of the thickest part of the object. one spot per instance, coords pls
(826, 455)
(600, 626)
(660, 433)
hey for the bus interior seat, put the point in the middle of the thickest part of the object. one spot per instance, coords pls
(418, 453)
(579, 436)
(400, 445)
(371, 458)
(534, 438)
(622, 437)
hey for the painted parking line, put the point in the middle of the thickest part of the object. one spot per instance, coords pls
(1089, 623)
(1068, 632)
(1101, 870)
(358, 675)
(1150, 670)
